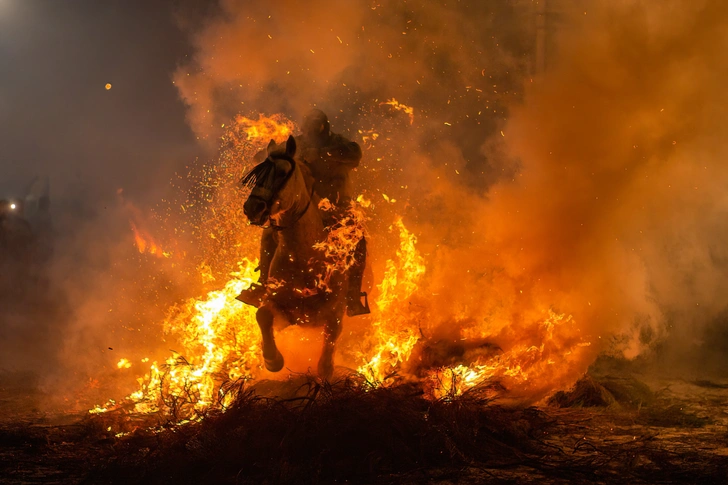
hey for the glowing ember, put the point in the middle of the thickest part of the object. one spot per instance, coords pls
(368, 137)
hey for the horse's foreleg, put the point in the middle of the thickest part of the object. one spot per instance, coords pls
(271, 355)
(332, 330)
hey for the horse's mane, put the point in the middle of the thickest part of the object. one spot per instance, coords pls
(264, 169)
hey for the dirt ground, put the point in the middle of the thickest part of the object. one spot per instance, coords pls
(679, 435)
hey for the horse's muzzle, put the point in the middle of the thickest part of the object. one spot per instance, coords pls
(256, 210)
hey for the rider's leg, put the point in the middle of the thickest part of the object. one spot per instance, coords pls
(253, 295)
(356, 275)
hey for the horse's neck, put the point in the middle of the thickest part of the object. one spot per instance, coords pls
(300, 237)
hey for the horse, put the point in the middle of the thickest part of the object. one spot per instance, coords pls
(282, 196)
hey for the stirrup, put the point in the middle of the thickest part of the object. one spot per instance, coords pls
(354, 307)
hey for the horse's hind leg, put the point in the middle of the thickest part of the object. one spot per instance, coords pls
(332, 330)
(271, 355)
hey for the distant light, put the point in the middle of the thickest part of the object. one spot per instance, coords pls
(108, 86)
(13, 206)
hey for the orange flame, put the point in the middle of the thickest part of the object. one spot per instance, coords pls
(143, 241)
(146, 244)
(217, 337)
(395, 330)
(342, 239)
(408, 110)
(531, 366)
(276, 127)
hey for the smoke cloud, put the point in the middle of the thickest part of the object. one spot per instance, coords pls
(620, 194)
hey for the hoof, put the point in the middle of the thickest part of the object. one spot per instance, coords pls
(274, 365)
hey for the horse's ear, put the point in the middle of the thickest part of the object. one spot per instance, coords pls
(291, 146)
(271, 146)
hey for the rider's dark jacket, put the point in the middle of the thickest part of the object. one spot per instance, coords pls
(330, 159)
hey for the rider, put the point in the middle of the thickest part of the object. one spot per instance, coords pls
(331, 157)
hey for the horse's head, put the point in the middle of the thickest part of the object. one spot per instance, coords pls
(272, 194)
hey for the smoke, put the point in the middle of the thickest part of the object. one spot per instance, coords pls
(619, 200)
(59, 121)
(344, 57)
(594, 189)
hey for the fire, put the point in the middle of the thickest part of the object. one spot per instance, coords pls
(408, 110)
(395, 331)
(342, 239)
(276, 127)
(146, 244)
(217, 340)
(143, 240)
(219, 336)
(552, 347)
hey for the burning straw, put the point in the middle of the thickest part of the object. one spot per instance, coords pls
(217, 340)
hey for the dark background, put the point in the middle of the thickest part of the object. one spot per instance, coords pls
(58, 119)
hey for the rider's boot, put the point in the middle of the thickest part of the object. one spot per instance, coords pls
(354, 304)
(254, 294)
